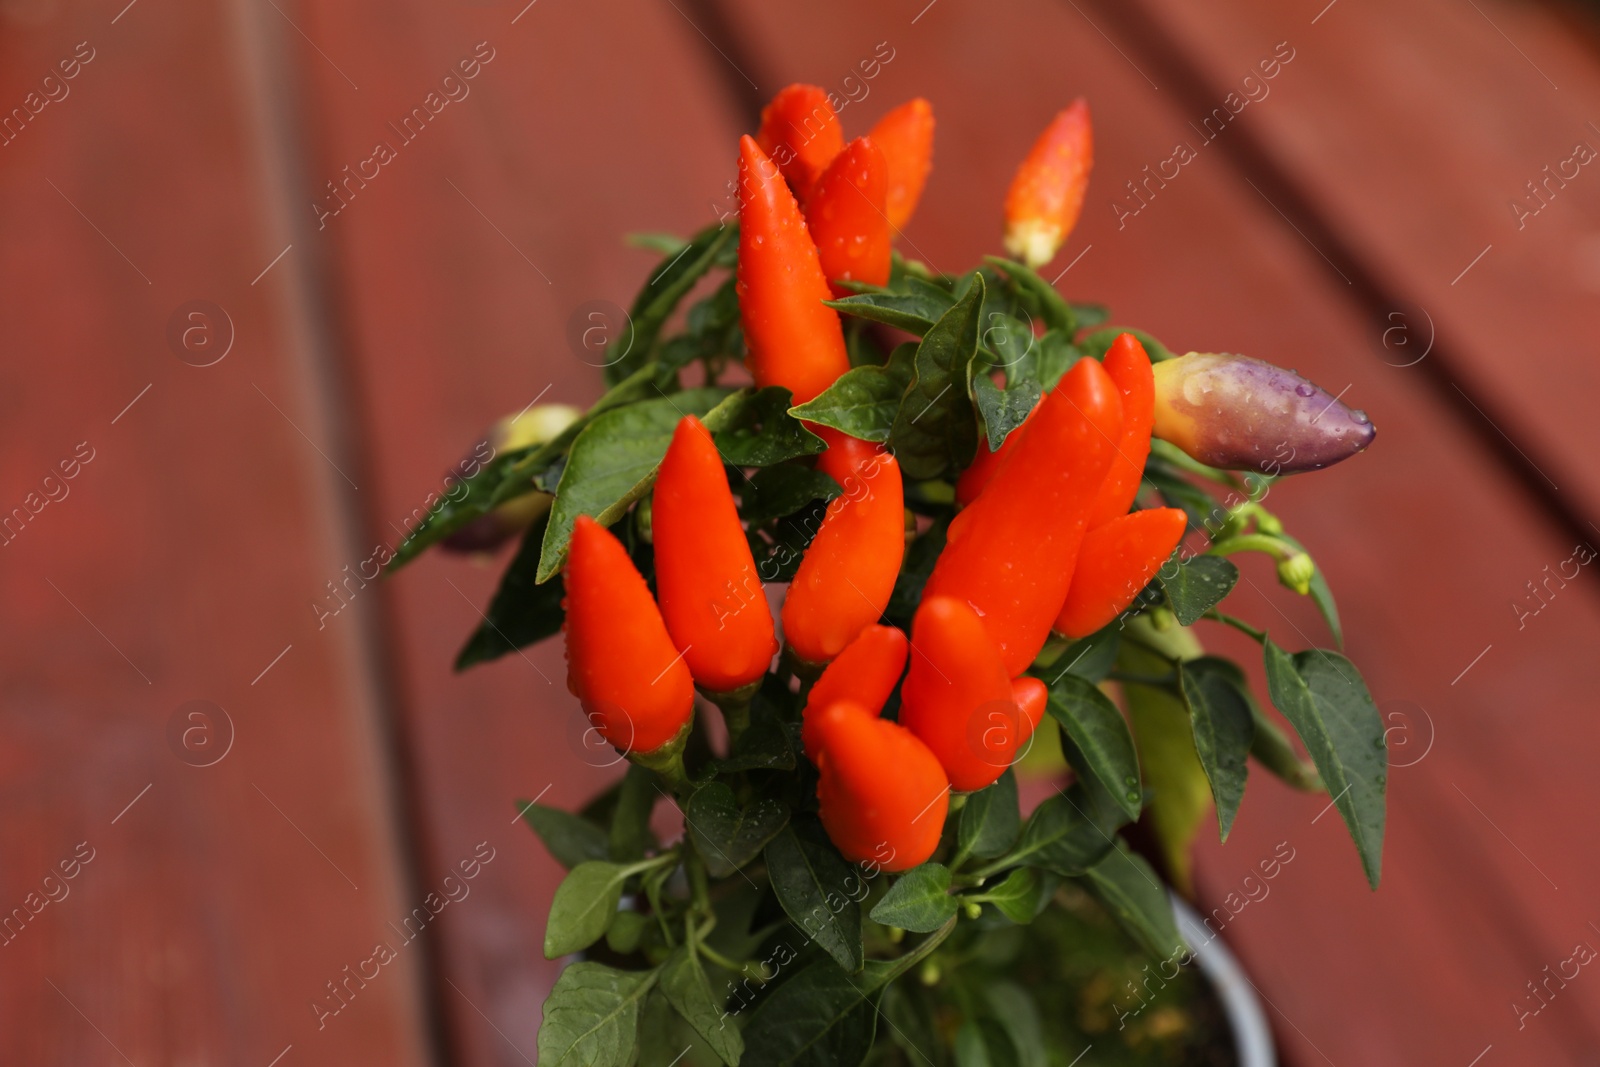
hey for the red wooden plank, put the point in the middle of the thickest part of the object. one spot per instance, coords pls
(1425, 579)
(461, 265)
(177, 562)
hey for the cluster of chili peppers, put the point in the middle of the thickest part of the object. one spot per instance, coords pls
(1044, 542)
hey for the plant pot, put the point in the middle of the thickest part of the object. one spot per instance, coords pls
(1251, 1035)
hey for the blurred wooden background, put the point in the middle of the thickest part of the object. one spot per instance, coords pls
(1354, 220)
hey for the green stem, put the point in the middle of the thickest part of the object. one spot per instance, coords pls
(735, 707)
(1252, 542)
(1238, 624)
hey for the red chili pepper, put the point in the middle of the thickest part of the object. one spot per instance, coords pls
(845, 213)
(711, 596)
(882, 794)
(621, 664)
(794, 338)
(1116, 562)
(1129, 367)
(906, 137)
(800, 131)
(849, 570)
(1010, 552)
(957, 696)
(1047, 193)
(1031, 696)
(865, 673)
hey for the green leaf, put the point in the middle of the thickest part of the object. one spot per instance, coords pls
(570, 838)
(613, 463)
(626, 930)
(631, 836)
(1044, 360)
(765, 743)
(591, 1018)
(584, 905)
(1022, 895)
(774, 492)
(935, 430)
(1274, 751)
(1070, 832)
(756, 430)
(918, 901)
(689, 992)
(914, 306)
(1038, 294)
(1324, 698)
(522, 611)
(1091, 658)
(1098, 729)
(1130, 890)
(1196, 585)
(1003, 410)
(468, 499)
(972, 1046)
(1099, 342)
(1090, 315)
(990, 819)
(863, 401)
(820, 891)
(1219, 712)
(669, 283)
(1014, 1008)
(726, 835)
(818, 1018)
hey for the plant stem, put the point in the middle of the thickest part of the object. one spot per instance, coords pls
(1238, 624)
(1252, 542)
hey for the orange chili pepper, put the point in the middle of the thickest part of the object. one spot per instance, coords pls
(1047, 193)
(849, 570)
(1010, 552)
(845, 214)
(795, 340)
(906, 137)
(1031, 696)
(865, 673)
(706, 579)
(1128, 366)
(1116, 562)
(957, 696)
(621, 664)
(882, 794)
(801, 133)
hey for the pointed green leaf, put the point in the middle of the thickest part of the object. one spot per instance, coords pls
(1219, 711)
(774, 492)
(990, 819)
(935, 430)
(1196, 585)
(864, 400)
(613, 463)
(1022, 895)
(1070, 832)
(1324, 698)
(689, 992)
(669, 283)
(1003, 410)
(756, 430)
(913, 306)
(820, 891)
(918, 901)
(522, 611)
(584, 905)
(726, 835)
(1101, 733)
(571, 839)
(818, 1018)
(1014, 1008)
(591, 1018)
(1132, 892)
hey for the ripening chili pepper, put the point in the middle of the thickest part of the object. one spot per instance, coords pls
(882, 795)
(801, 133)
(1116, 562)
(981, 469)
(957, 696)
(1229, 411)
(1129, 367)
(1010, 552)
(706, 580)
(795, 340)
(906, 137)
(865, 673)
(849, 569)
(621, 664)
(1047, 193)
(1031, 696)
(845, 214)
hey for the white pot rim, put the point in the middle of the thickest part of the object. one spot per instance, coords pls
(1240, 1000)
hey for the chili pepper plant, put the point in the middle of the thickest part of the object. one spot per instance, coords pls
(995, 524)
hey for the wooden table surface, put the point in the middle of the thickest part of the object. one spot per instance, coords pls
(254, 382)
